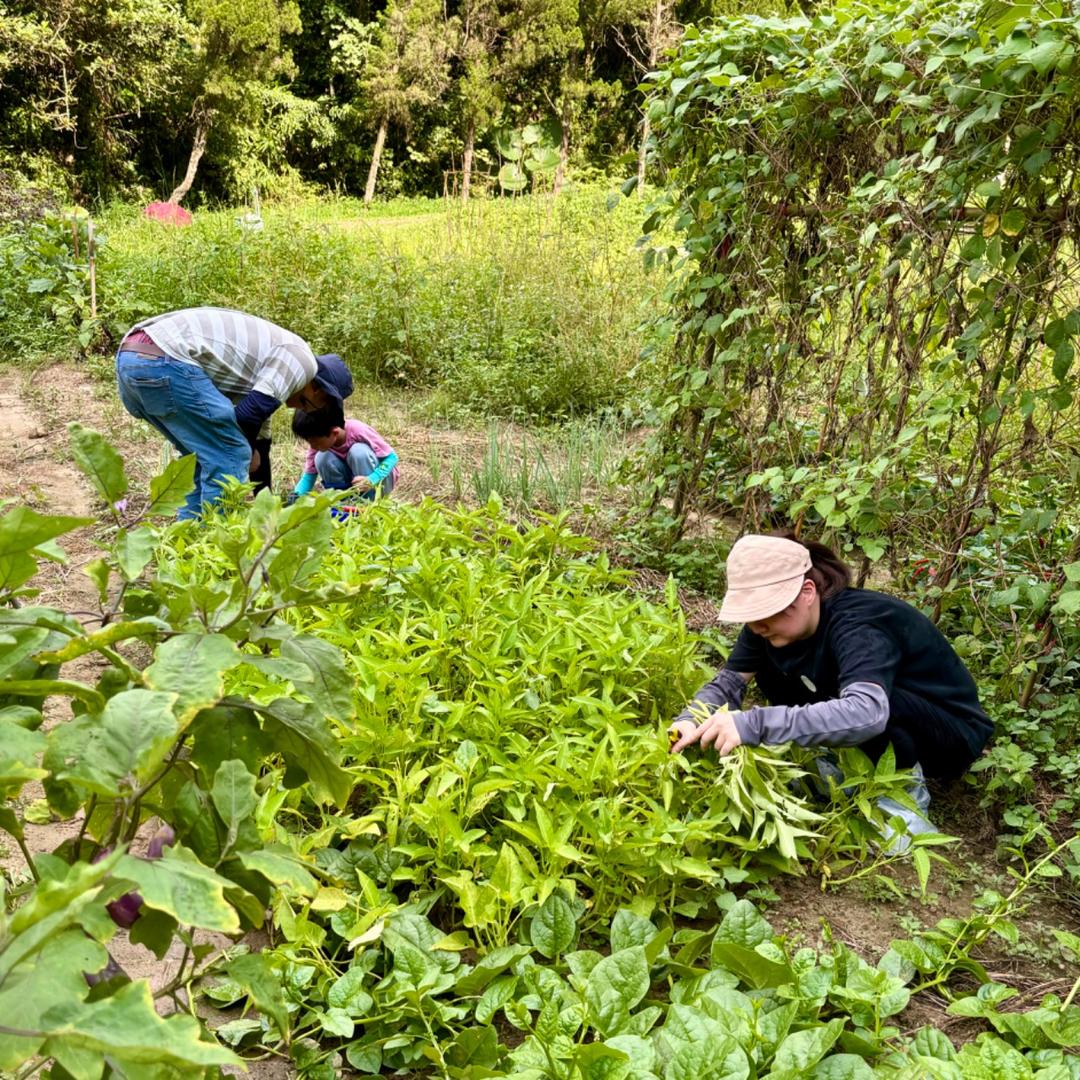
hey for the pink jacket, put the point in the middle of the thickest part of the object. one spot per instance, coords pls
(356, 432)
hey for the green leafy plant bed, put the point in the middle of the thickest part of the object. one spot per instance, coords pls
(503, 705)
(425, 750)
(650, 1002)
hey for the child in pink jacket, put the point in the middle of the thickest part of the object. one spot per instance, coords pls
(344, 454)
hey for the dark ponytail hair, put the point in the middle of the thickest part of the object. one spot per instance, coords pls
(829, 573)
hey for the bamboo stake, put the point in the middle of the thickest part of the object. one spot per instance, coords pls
(93, 266)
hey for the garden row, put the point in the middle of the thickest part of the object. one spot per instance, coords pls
(427, 750)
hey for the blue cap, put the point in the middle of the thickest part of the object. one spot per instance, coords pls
(333, 376)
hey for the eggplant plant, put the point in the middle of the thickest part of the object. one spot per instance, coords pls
(152, 736)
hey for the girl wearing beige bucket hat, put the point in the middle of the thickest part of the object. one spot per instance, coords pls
(839, 666)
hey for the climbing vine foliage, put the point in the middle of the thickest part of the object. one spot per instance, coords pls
(874, 307)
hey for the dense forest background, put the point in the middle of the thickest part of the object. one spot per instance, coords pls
(201, 100)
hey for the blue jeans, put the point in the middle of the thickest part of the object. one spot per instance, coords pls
(337, 473)
(915, 821)
(193, 414)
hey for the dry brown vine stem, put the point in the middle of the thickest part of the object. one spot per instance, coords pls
(1060, 212)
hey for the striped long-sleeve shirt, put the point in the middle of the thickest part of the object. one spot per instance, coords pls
(239, 352)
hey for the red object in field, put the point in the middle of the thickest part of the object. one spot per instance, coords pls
(170, 213)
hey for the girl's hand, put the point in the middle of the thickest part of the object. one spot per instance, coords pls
(718, 730)
(256, 461)
(362, 483)
(678, 733)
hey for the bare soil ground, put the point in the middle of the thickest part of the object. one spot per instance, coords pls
(35, 468)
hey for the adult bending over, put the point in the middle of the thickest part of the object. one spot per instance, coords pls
(209, 380)
(839, 666)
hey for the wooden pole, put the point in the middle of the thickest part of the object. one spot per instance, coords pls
(93, 268)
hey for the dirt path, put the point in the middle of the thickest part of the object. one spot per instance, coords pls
(31, 473)
(34, 470)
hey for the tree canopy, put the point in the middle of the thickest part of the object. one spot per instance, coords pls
(383, 97)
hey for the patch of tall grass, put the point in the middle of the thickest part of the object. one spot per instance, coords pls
(526, 308)
(566, 467)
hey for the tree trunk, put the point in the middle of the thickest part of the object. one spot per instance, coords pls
(197, 149)
(466, 163)
(564, 153)
(373, 172)
(643, 151)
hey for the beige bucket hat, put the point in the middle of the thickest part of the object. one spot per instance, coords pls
(764, 575)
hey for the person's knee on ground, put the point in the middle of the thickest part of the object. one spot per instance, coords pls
(333, 471)
(367, 463)
(362, 462)
(915, 821)
(361, 459)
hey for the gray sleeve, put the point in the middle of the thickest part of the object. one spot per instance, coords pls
(726, 689)
(859, 713)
